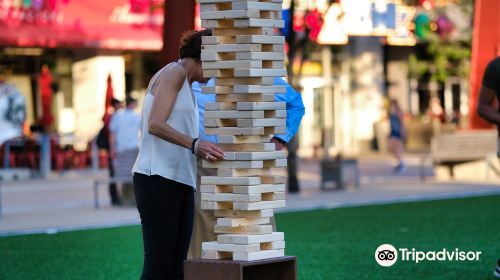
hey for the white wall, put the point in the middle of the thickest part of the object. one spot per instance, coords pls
(89, 93)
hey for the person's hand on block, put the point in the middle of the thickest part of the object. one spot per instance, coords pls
(210, 151)
(280, 144)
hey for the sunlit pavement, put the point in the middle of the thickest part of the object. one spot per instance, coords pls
(66, 202)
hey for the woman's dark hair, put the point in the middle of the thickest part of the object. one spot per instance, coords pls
(190, 44)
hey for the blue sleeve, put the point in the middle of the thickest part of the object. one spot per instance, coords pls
(294, 109)
(201, 99)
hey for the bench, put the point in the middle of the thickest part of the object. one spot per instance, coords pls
(335, 169)
(122, 164)
(462, 147)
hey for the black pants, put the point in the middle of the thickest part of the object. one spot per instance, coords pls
(113, 191)
(166, 208)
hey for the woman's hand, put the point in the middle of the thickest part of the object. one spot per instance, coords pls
(210, 151)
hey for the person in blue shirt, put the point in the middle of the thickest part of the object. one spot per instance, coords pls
(294, 107)
(205, 220)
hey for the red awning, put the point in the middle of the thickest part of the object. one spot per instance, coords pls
(107, 24)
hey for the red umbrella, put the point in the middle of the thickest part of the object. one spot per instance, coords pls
(108, 108)
(46, 95)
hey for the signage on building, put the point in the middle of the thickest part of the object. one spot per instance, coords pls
(367, 18)
(114, 24)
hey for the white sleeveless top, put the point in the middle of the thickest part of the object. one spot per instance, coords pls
(160, 157)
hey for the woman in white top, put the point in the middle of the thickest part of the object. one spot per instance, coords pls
(165, 169)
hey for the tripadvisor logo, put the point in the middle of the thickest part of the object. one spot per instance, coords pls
(387, 255)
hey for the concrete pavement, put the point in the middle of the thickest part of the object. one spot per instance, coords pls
(66, 202)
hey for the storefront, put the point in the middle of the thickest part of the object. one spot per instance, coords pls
(360, 52)
(82, 43)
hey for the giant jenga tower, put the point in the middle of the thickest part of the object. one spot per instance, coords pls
(244, 56)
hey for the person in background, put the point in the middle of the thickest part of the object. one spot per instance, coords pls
(490, 90)
(397, 134)
(435, 111)
(12, 109)
(124, 129)
(205, 220)
(102, 142)
(165, 169)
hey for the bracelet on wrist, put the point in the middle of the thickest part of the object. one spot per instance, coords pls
(196, 148)
(193, 144)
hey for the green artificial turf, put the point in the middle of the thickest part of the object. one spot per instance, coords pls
(329, 244)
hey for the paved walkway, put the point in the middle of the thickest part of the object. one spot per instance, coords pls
(66, 202)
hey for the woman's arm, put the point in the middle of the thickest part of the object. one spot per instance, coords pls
(170, 83)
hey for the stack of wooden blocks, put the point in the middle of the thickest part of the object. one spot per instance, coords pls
(244, 56)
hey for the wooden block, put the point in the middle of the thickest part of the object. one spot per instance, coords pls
(238, 181)
(214, 40)
(259, 72)
(230, 197)
(220, 106)
(271, 15)
(274, 130)
(265, 254)
(230, 139)
(244, 81)
(265, 213)
(273, 64)
(220, 73)
(216, 189)
(212, 205)
(230, 64)
(255, 147)
(259, 205)
(242, 172)
(215, 1)
(265, 179)
(263, 189)
(252, 229)
(209, 8)
(234, 114)
(216, 255)
(259, 22)
(275, 163)
(238, 222)
(217, 90)
(261, 106)
(212, 7)
(261, 122)
(230, 14)
(217, 24)
(274, 245)
(221, 247)
(267, 31)
(232, 48)
(220, 123)
(217, 56)
(238, 131)
(230, 1)
(275, 114)
(273, 48)
(244, 97)
(234, 164)
(259, 89)
(250, 239)
(256, 5)
(260, 39)
(273, 196)
(257, 155)
(260, 56)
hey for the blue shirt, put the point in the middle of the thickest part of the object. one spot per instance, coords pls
(294, 109)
